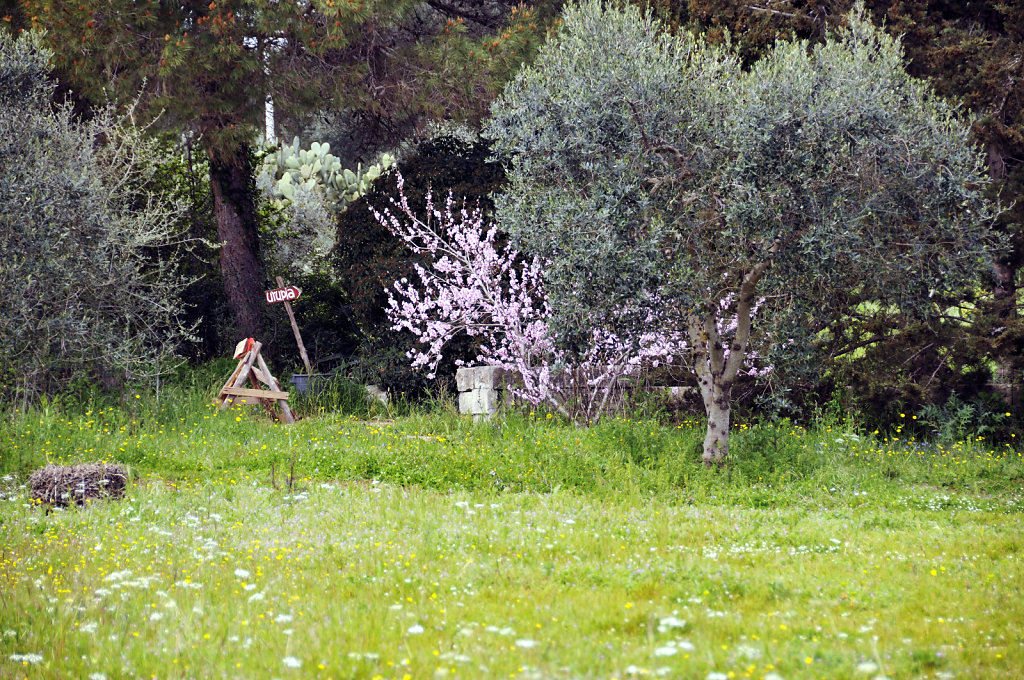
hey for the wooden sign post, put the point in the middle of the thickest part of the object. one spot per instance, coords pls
(251, 366)
(286, 294)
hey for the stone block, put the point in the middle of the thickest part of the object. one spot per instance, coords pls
(478, 377)
(464, 378)
(480, 401)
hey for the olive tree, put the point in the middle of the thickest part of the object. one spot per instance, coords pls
(83, 221)
(655, 174)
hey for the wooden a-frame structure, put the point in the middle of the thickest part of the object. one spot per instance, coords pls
(248, 353)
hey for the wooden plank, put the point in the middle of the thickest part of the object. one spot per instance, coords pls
(240, 349)
(259, 376)
(259, 394)
(289, 418)
(234, 374)
(240, 379)
(266, 403)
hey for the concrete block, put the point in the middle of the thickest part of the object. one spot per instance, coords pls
(492, 377)
(464, 378)
(477, 377)
(479, 402)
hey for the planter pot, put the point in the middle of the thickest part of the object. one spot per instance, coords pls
(309, 383)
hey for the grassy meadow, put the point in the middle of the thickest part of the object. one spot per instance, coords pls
(423, 545)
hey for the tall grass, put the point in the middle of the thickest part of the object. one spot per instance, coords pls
(404, 544)
(342, 434)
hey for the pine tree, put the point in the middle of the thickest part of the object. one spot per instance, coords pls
(208, 66)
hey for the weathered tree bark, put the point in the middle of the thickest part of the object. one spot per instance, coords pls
(1005, 307)
(1004, 289)
(717, 365)
(234, 207)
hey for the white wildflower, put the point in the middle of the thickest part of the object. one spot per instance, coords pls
(748, 652)
(670, 622)
(292, 662)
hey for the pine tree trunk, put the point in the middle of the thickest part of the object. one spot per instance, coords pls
(234, 207)
(1005, 304)
(1004, 291)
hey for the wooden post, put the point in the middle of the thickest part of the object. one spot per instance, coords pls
(274, 385)
(295, 329)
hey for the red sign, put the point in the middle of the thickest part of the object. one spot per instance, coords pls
(286, 294)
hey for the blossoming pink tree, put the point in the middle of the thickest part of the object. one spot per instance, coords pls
(475, 286)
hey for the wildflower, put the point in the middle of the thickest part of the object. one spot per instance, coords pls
(27, 658)
(242, 573)
(97, 676)
(415, 629)
(526, 644)
(867, 667)
(292, 662)
(670, 622)
(666, 651)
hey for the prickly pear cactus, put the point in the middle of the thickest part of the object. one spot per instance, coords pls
(307, 187)
(292, 166)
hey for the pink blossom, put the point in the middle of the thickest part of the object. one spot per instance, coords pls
(496, 295)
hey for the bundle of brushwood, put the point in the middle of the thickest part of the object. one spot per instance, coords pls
(66, 484)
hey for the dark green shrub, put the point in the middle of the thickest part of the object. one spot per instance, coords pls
(83, 223)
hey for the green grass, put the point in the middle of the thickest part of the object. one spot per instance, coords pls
(426, 546)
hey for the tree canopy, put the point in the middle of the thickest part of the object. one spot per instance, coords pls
(82, 212)
(822, 178)
(209, 67)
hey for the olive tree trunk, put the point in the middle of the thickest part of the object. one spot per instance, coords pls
(717, 362)
(234, 207)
